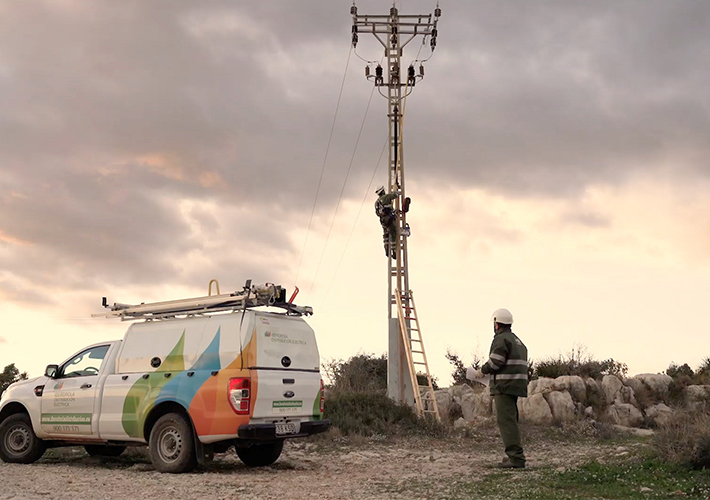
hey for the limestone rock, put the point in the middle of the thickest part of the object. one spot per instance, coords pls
(540, 386)
(657, 384)
(483, 405)
(611, 386)
(590, 413)
(444, 401)
(460, 423)
(572, 384)
(659, 414)
(596, 396)
(562, 406)
(695, 395)
(468, 405)
(535, 409)
(626, 395)
(624, 414)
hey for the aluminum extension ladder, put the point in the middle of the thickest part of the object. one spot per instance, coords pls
(411, 335)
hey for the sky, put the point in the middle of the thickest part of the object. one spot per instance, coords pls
(556, 154)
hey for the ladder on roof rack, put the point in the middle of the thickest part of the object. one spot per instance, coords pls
(415, 354)
(251, 296)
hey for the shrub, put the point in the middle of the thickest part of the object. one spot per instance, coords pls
(578, 362)
(376, 414)
(362, 373)
(685, 439)
(459, 374)
(422, 381)
(10, 374)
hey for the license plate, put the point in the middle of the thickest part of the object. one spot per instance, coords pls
(286, 428)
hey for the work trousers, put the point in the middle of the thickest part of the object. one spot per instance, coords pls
(507, 414)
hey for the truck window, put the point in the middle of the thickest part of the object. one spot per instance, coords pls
(85, 363)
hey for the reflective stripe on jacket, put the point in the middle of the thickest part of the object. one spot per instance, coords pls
(507, 364)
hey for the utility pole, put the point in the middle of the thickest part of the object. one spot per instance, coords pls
(394, 32)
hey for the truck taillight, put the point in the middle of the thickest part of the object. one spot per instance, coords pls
(240, 395)
(322, 395)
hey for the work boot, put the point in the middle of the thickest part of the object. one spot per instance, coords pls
(507, 464)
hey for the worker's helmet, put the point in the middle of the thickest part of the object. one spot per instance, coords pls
(380, 190)
(502, 316)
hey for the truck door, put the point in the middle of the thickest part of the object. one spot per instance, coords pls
(68, 399)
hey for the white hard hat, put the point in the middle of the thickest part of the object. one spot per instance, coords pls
(502, 316)
(380, 190)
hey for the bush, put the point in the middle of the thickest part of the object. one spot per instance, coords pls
(459, 374)
(10, 375)
(363, 373)
(685, 439)
(376, 414)
(578, 362)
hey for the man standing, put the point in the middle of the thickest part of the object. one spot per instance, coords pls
(508, 366)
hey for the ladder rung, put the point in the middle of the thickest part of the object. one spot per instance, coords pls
(419, 362)
(418, 352)
(415, 340)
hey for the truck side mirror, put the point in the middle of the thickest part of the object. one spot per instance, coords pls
(51, 371)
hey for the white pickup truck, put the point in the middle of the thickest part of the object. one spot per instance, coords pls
(185, 386)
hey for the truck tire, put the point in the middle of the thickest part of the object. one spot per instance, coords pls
(99, 450)
(18, 442)
(260, 455)
(172, 446)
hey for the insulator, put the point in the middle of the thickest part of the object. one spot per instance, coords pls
(434, 32)
(411, 71)
(437, 12)
(355, 39)
(421, 69)
(367, 71)
(354, 30)
(394, 30)
(393, 11)
(393, 40)
(378, 70)
(353, 10)
(433, 43)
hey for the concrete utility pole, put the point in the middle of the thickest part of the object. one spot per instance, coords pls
(394, 32)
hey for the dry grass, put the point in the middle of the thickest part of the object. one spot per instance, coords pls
(685, 439)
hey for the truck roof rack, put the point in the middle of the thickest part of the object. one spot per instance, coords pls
(251, 296)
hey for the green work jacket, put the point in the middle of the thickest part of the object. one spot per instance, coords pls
(507, 364)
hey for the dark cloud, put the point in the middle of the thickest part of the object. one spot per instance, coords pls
(138, 136)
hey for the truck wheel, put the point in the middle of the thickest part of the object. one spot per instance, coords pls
(98, 450)
(172, 448)
(260, 455)
(18, 442)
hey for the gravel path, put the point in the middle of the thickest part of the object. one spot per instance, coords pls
(306, 470)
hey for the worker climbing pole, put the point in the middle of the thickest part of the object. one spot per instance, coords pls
(406, 347)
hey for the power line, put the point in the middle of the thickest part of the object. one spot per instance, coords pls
(325, 159)
(342, 189)
(352, 229)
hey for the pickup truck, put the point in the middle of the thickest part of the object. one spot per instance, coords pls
(185, 387)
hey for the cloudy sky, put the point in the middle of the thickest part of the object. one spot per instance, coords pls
(556, 155)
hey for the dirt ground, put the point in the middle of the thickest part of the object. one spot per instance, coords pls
(334, 468)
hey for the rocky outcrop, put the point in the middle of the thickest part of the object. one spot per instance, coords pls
(572, 384)
(696, 395)
(657, 384)
(611, 386)
(624, 414)
(658, 415)
(633, 402)
(535, 409)
(562, 407)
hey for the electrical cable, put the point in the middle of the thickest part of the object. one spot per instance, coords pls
(342, 189)
(357, 218)
(325, 159)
